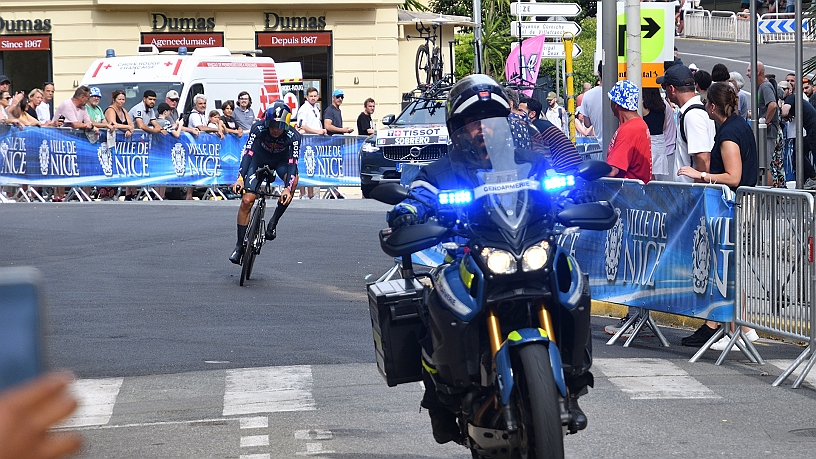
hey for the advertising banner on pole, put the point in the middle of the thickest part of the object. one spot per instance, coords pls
(65, 157)
(527, 73)
(672, 249)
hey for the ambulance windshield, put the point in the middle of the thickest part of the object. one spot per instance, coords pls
(135, 91)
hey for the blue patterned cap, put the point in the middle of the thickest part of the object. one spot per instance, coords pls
(625, 94)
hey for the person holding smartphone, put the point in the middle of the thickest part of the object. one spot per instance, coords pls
(29, 411)
(5, 85)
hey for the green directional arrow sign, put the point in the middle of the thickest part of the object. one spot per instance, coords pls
(656, 33)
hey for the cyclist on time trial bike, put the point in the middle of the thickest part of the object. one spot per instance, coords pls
(271, 142)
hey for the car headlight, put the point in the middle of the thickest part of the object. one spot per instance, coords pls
(535, 257)
(498, 261)
(369, 147)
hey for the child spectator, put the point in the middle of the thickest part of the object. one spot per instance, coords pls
(164, 112)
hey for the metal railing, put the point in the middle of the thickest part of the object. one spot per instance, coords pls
(717, 25)
(775, 272)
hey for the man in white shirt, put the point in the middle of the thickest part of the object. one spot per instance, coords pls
(556, 114)
(592, 107)
(695, 130)
(44, 111)
(308, 122)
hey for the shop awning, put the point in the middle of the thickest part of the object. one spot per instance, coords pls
(412, 17)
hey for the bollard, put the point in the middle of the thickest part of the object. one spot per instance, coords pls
(762, 150)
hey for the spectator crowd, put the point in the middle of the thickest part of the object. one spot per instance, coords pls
(36, 108)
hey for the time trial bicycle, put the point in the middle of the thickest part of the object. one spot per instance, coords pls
(256, 230)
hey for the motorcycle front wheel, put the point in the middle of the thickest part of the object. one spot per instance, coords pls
(536, 400)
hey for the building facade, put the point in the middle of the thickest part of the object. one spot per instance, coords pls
(359, 46)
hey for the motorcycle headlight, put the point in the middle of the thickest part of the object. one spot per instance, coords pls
(535, 257)
(499, 261)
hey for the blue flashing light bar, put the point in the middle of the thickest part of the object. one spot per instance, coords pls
(558, 182)
(456, 198)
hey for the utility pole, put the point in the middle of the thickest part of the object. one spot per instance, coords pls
(477, 37)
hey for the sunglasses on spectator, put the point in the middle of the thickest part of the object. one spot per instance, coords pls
(8, 98)
(173, 100)
(339, 97)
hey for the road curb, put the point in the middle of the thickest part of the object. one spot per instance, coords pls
(604, 309)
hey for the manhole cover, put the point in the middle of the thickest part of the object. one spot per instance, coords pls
(811, 432)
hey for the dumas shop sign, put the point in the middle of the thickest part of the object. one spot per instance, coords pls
(274, 21)
(24, 25)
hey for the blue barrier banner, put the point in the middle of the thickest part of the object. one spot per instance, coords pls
(671, 251)
(65, 157)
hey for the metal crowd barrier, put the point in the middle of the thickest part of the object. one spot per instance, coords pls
(775, 272)
(717, 25)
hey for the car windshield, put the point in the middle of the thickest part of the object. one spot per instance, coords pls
(423, 111)
(134, 91)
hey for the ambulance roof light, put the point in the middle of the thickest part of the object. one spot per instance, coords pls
(182, 51)
(110, 53)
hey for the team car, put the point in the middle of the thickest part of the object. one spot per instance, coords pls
(417, 136)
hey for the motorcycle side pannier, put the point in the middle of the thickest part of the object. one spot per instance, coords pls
(397, 329)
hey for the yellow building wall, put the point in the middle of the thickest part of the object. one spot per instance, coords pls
(366, 61)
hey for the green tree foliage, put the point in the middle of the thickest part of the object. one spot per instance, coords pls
(414, 5)
(582, 67)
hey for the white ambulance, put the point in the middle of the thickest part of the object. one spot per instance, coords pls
(215, 72)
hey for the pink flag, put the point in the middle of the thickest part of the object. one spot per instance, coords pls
(530, 62)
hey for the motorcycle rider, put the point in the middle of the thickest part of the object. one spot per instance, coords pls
(271, 142)
(477, 111)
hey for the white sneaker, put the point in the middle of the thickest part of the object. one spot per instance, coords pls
(751, 335)
(720, 345)
(810, 184)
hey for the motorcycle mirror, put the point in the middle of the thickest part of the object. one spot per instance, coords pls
(410, 239)
(588, 216)
(593, 169)
(389, 193)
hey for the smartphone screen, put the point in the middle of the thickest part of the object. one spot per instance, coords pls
(20, 325)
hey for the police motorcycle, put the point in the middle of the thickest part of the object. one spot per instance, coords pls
(506, 321)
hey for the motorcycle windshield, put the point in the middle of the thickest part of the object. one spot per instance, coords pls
(483, 153)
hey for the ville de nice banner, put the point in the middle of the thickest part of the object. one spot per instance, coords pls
(66, 157)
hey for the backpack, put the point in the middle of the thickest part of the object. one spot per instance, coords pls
(682, 123)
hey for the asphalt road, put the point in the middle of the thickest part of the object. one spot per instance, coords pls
(777, 57)
(180, 361)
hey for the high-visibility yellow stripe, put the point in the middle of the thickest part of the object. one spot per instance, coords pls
(467, 276)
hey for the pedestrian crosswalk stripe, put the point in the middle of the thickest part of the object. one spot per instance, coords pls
(646, 379)
(268, 390)
(96, 398)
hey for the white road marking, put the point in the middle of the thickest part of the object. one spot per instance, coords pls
(256, 456)
(258, 422)
(313, 449)
(254, 440)
(96, 399)
(652, 379)
(268, 390)
(313, 434)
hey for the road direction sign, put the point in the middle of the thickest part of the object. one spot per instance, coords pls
(780, 26)
(548, 28)
(566, 10)
(555, 50)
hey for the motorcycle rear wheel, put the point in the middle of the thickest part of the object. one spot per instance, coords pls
(537, 403)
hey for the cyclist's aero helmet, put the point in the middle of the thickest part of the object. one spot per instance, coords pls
(278, 115)
(475, 97)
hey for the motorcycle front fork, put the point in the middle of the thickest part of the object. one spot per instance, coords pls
(496, 339)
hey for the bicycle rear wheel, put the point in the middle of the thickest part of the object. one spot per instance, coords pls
(423, 65)
(249, 244)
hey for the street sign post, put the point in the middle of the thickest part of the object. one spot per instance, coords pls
(566, 10)
(548, 28)
(552, 50)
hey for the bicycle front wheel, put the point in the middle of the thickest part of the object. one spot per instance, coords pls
(423, 65)
(249, 245)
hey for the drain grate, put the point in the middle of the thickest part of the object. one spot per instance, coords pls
(811, 432)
